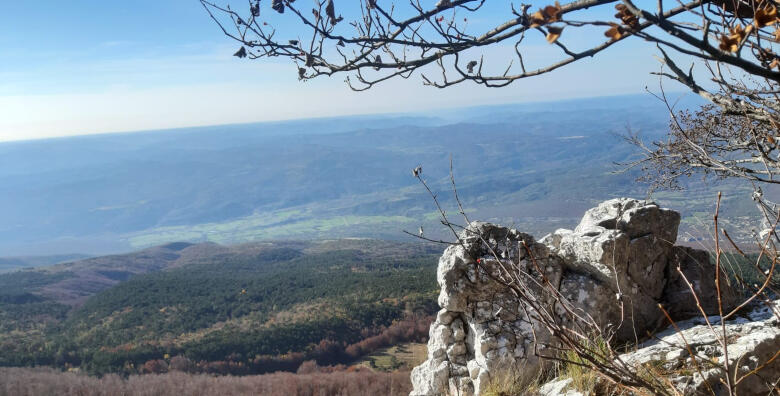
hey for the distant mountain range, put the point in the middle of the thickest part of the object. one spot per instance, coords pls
(13, 263)
(537, 166)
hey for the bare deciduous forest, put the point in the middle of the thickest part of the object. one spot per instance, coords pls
(361, 382)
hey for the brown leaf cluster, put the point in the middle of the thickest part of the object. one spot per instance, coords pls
(615, 32)
(768, 58)
(628, 19)
(331, 13)
(626, 16)
(765, 16)
(732, 41)
(278, 6)
(548, 14)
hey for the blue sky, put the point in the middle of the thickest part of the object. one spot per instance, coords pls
(93, 66)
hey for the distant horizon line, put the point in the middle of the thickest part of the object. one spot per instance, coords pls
(323, 118)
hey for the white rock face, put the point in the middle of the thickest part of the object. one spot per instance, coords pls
(481, 327)
(754, 339)
(558, 388)
(621, 253)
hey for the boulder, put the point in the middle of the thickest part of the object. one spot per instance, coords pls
(615, 267)
(623, 247)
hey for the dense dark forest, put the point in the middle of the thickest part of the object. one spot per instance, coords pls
(235, 314)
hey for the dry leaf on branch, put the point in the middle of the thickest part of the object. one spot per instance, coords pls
(552, 13)
(241, 53)
(765, 16)
(733, 41)
(331, 13)
(545, 15)
(626, 16)
(553, 32)
(470, 66)
(615, 32)
(278, 6)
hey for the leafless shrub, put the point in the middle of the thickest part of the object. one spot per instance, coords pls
(710, 141)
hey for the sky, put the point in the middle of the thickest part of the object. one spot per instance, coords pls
(96, 66)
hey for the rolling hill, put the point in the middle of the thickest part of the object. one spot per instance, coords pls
(242, 309)
(536, 166)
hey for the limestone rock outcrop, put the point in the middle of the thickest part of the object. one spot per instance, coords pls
(754, 339)
(481, 326)
(616, 266)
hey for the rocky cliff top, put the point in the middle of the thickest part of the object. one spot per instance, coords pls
(608, 275)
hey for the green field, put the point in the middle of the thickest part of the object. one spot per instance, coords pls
(287, 224)
(398, 357)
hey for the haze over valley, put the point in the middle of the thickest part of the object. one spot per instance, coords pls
(535, 166)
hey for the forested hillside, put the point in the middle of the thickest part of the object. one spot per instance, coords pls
(247, 309)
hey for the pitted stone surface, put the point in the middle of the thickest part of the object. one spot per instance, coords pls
(614, 267)
(481, 327)
(558, 388)
(754, 339)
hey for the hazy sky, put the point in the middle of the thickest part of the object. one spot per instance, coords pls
(90, 66)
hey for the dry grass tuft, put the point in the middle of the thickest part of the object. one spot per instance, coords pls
(584, 379)
(514, 380)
